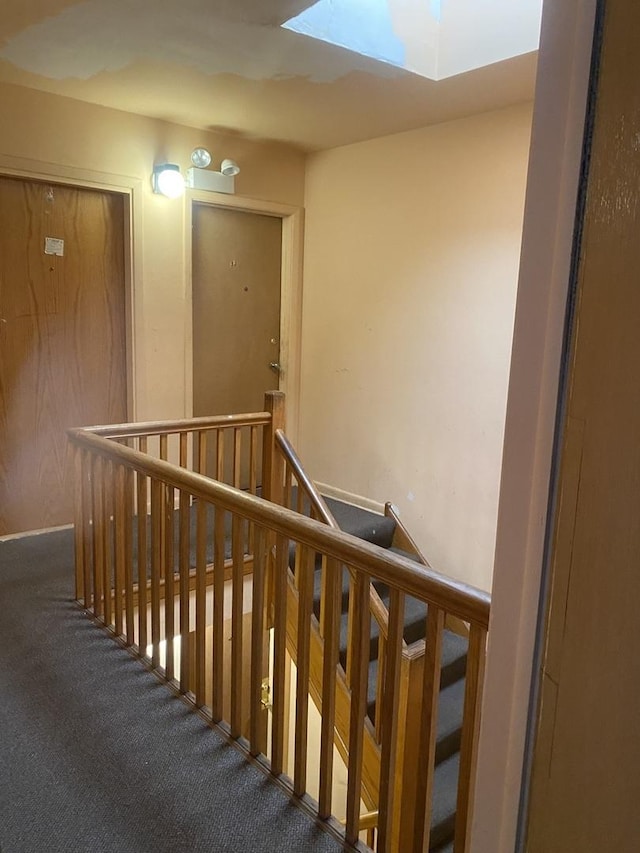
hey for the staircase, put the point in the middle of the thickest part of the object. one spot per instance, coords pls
(382, 530)
(388, 649)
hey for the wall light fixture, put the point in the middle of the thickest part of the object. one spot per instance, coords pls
(201, 178)
(230, 168)
(167, 180)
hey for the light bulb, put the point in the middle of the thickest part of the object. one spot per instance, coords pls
(230, 168)
(169, 181)
(200, 158)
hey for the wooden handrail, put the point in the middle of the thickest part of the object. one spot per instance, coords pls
(182, 425)
(318, 503)
(463, 600)
(369, 820)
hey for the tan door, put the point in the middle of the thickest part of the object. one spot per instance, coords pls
(236, 309)
(62, 339)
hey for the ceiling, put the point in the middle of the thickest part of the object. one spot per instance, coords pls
(228, 66)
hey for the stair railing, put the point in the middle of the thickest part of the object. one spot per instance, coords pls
(307, 492)
(309, 501)
(295, 475)
(187, 645)
(228, 448)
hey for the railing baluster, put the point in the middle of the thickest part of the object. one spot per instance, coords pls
(358, 710)
(237, 456)
(220, 456)
(428, 727)
(217, 705)
(470, 731)
(127, 474)
(237, 596)
(78, 523)
(119, 547)
(109, 521)
(184, 542)
(169, 581)
(142, 498)
(201, 601)
(184, 449)
(351, 628)
(382, 668)
(253, 476)
(156, 526)
(287, 486)
(258, 728)
(86, 530)
(142, 560)
(253, 461)
(202, 452)
(387, 711)
(279, 688)
(323, 594)
(98, 538)
(331, 630)
(305, 602)
(163, 450)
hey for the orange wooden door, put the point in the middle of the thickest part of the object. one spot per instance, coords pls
(62, 339)
(236, 309)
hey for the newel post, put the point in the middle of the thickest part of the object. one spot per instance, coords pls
(272, 461)
(272, 486)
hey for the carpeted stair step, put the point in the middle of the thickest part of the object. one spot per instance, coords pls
(317, 590)
(450, 711)
(370, 526)
(415, 614)
(453, 664)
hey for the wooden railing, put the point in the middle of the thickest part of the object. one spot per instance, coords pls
(307, 495)
(299, 492)
(144, 522)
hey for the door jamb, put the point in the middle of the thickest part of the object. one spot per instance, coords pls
(545, 266)
(131, 189)
(290, 291)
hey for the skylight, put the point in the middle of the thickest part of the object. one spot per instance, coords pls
(433, 38)
(363, 26)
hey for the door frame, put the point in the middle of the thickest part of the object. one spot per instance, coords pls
(509, 706)
(131, 189)
(290, 292)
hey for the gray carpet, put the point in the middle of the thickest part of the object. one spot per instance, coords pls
(97, 755)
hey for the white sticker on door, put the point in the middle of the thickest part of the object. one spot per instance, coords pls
(53, 246)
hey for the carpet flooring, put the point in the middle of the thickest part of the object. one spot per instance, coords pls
(96, 755)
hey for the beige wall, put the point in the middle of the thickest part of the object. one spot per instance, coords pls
(48, 135)
(411, 264)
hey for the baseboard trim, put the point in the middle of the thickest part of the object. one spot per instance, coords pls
(349, 498)
(9, 537)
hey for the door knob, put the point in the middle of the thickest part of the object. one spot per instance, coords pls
(275, 366)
